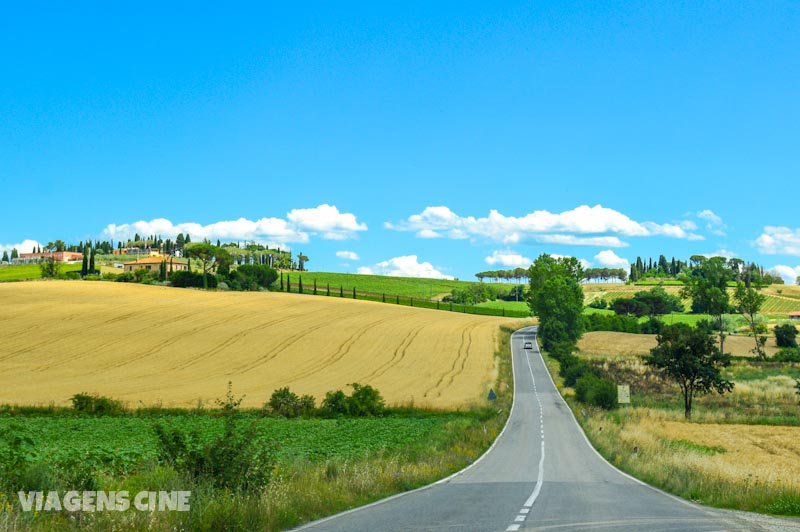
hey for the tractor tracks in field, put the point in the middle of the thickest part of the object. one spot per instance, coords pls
(340, 353)
(398, 355)
(459, 362)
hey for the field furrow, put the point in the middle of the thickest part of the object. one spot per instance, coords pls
(149, 345)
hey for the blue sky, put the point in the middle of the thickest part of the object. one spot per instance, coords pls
(471, 136)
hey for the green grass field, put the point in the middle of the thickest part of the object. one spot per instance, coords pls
(25, 272)
(380, 284)
(517, 306)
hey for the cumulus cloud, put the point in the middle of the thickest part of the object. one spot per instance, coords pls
(715, 224)
(349, 255)
(779, 241)
(541, 226)
(324, 220)
(509, 259)
(26, 246)
(405, 266)
(609, 259)
(788, 273)
(721, 253)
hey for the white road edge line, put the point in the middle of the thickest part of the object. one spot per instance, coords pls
(311, 524)
(540, 477)
(602, 458)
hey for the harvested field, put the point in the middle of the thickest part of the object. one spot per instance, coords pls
(153, 344)
(625, 344)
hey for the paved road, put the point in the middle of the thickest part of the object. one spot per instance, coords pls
(541, 474)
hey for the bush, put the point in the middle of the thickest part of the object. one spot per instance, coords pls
(187, 279)
(595, 391)
(611, 322)
(260, 274)
(652, 326)
(126, 277)
(599, 303)
(364, 401)
(72, 276)
(286, 403)
(786, 335)
(96, 405)
(787, 355)
(572, 369)
(238, 459)
(334, 404)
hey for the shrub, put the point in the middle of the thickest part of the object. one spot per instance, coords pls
(286, 403)
(652, 326)
(786, 335)
(596, 391)
(237, 459)
(334, 403)
(572, 369)
(612, 322)
(126, 277)
(787, 355)
(364, 401)
(96, 405)
(187, 279)
(599, 303)
(72, 276)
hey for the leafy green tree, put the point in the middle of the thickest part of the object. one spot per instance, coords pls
(556, 297)
(689, 357)
(786, 335)
(14, 254)
(50, 267)
(301, 262)
(749, 302)
(707, 286)
(211, 258)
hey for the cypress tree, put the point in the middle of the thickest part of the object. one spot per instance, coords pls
(288, 283)
(162, 271)
(329, 289)
(91, 260)
(14, 254)
(85, 262)
(315, 287)
(5, 256)
(300, 285)
(354, 293)
(281, 281)
(341, 291)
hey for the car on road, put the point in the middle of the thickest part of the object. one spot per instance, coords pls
(528, 345)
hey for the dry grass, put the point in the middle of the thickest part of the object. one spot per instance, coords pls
(743, 466)
(602, 343)
(176, 346)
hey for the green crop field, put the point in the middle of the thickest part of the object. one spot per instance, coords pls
(24, 272)
(119, 445)
(517, 306)
(380, 284)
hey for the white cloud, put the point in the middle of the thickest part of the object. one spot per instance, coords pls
(325, 220)
(714, 225)
(779, 241)
(721, 253)
(571, 240)
(428, 233)
(405, 266)
(349, 255)
(26, 246)
(609, 259)
(509, 259)
(542, 226)
(788, 273)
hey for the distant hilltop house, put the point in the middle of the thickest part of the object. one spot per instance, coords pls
(138, 251)
(795, 315)
(154, 264)
(60, 256)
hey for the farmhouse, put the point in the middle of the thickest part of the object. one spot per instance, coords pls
(60, 256)
(795, 315)
(153, 264)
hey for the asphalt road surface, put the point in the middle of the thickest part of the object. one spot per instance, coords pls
(541, 474)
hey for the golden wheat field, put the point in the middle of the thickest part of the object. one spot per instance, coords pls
(750, 453)
(176, 347)
(603, 343)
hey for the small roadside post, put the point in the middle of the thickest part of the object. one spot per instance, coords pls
(624, 397)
